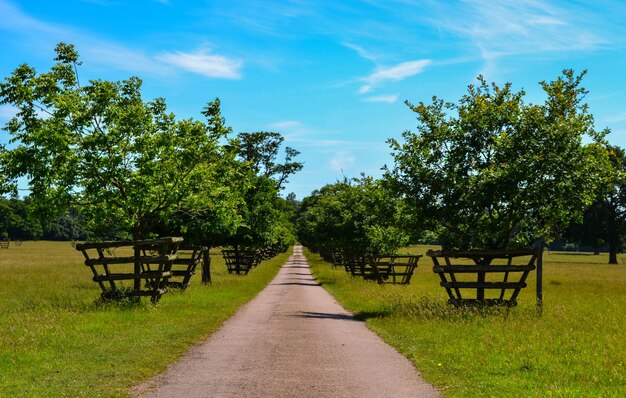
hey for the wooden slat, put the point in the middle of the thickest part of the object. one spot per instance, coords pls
(143, 275)
(146, 242)
(459, 269)
(480, 253)
(483, 285)
(131, 260)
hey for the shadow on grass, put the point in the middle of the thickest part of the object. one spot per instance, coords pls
(427, 308)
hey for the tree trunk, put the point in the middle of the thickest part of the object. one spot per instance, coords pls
(206, 266)
(612, 254)
(613, 248)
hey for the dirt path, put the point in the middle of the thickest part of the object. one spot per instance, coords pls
(293, 340)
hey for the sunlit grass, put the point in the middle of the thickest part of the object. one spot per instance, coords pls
(575, 348)
(58, 340)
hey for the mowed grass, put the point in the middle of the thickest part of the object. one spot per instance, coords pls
(58, 340)
(575, 348)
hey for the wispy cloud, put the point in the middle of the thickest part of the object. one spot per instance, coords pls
(204, 63)
(303, 135)
(341, 161)
(398, 72)
(98, 51)
(394, 73)
(511, 28)
(285, 124)
(15, 20)
(616, 118)
(362, 52)
(389, 99)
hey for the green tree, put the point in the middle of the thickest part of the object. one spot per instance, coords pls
(261, 149)
(100, 148)
(17, 221)
(356, 217)
(264, 224)
(604, 222)
(495, 172)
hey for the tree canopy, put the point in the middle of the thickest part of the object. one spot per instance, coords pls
(260, 150)
(492, 171)
(355, 217)
(100, 148)
(604, 222)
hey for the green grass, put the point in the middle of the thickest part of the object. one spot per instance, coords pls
(58, 340)
(576, 348)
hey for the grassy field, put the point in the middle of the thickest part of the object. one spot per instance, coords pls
(57, 340)
(576, 348)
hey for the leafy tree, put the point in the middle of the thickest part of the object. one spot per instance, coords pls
(356, 217)
(70, 227)
(100, 148)
(495, 172)
(258, 217)
(604, 222)
(261, 149)
(17, 221)
(264, 224)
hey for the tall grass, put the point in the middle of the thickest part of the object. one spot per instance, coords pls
(575, 348)
(58, 340)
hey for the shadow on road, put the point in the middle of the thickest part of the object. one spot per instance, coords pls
(323, 315)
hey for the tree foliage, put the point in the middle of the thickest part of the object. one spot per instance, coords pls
(99, 147)
(261, 149)
(492, 171)
(356, 217)
(604, 222)
(17, 221)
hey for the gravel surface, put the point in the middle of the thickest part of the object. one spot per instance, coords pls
(292, 340)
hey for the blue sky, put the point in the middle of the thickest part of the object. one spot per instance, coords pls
(331, 76)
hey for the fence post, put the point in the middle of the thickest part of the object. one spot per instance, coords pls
(540, 243)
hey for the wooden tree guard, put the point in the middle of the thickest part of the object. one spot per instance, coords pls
(358, 266)
(336, 259)
(149, 266)
(184, 266)
(393, 269)
(484, 275)
(382, 268)
(240, 261)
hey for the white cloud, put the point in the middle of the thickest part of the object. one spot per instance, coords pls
(14, 19)
(103, 52)
(398, 72)
(203, 63)
(615, 118)
(389, 99)
(341, 161)
(500, 29)
(365, 89)
(285, 124)
(362, 52)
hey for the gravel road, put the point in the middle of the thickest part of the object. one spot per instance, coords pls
(292, 340)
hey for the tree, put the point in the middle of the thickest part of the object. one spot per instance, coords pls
(264, 224)
(356, 217)
(17, 221)
(494, 172)
(260, 149)
(604, 222)
(103, 150)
